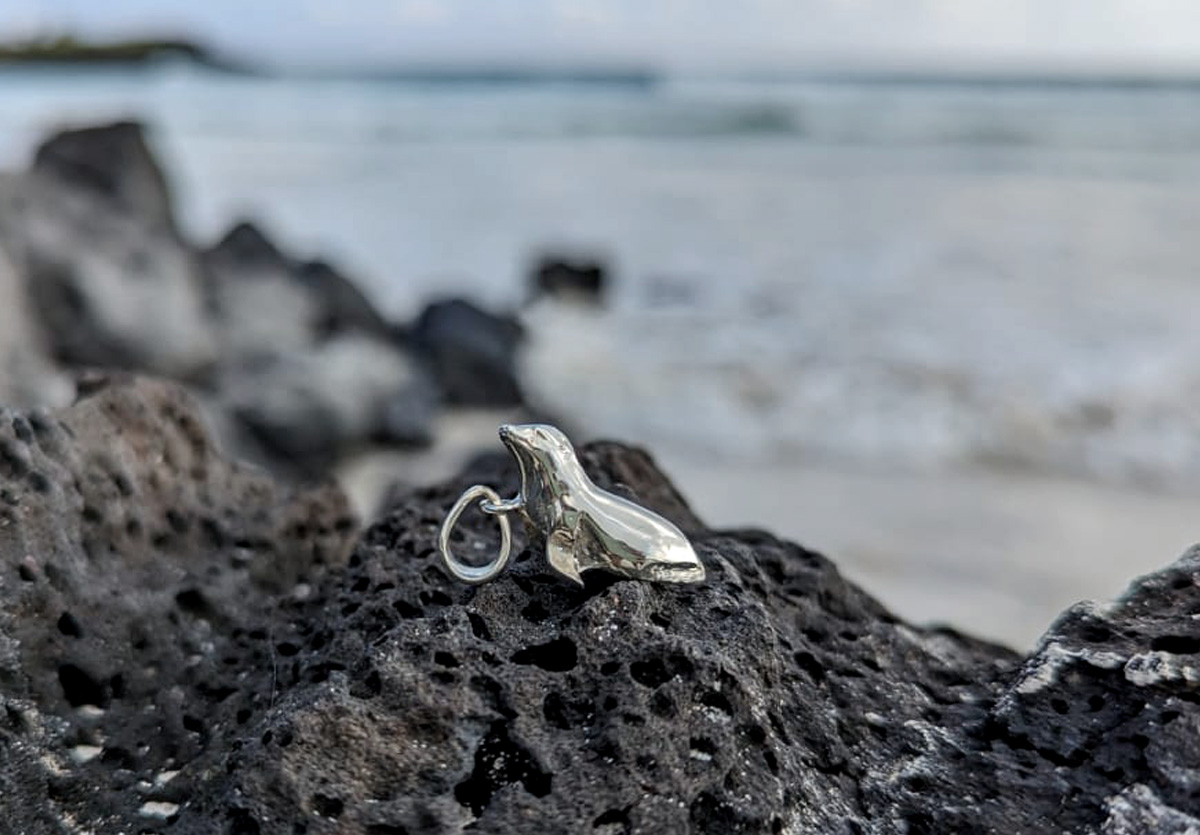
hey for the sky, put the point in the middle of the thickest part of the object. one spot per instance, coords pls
(675, 34)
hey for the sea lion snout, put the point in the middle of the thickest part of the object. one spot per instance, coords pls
(536, 439)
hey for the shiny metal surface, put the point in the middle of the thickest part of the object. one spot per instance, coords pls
(473, 573)
(583, 526)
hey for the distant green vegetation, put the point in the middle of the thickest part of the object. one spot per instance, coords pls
(69, 50)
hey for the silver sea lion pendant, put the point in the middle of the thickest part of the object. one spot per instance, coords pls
(584, 527)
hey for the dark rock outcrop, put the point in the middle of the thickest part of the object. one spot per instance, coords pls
(113, 162)
(181, 652)
(110, 288)
(266, 301)
(27, 375)
(579, 281)
(472, 353)
(305, 408)
(309, 369)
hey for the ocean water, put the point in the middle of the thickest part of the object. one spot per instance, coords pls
(914, 275)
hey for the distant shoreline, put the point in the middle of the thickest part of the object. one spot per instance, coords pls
(69, 51)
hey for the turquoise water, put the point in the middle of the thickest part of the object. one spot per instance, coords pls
(909, 274)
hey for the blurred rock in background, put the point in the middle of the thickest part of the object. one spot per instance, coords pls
(295, 365)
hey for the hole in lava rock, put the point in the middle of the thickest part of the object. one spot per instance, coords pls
(80, 687)
(754, 733)
(178, 522)
(712, 816)
(407, 610)
(479, 627)
(119, 758)
(1176, 644)
(192, 601)
(445, 659)
(771, 760)
(655, 672)
(566, 713)
(1095, 633)
(69, 626)
(386, 829)
(661, 705)
(717, 700)
(557, 656)
(434, 597)
(370, 686)
(328, 807)
(499, 762)
(615, 817)
(241, 822)
(535, 612)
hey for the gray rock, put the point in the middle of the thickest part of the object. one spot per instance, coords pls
(110, 289)
(473, 353)
(306, 407)
(267, 302)
(113, 162)
(259, 308)
(380, 697)
(344, 307)
(27, 375)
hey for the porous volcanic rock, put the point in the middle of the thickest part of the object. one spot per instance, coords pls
(130, 555)
(380, 697)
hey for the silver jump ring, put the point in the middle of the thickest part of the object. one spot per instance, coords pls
(476, 573)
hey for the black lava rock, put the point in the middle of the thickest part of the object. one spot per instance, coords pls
(157, 680)
(344, 308)
(114, 162)
(471, 352)
(557, 277)
(132, 560)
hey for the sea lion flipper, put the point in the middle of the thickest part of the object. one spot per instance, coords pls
(560, 550)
